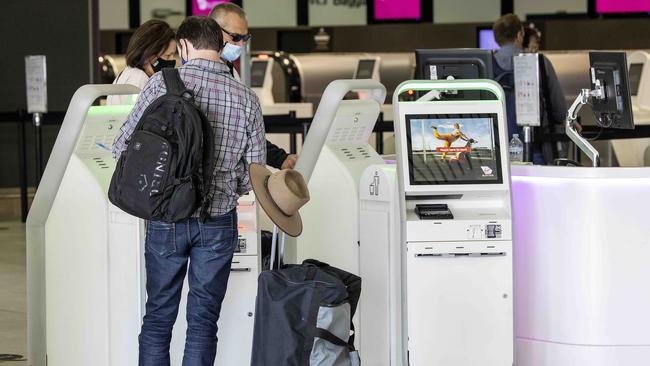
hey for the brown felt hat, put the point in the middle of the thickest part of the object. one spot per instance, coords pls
(281, 195)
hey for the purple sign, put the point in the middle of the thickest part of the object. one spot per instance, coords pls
(203, 7)
(397, 9)
(622, 6)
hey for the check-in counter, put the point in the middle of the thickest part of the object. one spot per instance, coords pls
(582, 263)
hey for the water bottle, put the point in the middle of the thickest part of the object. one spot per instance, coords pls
(516, 149)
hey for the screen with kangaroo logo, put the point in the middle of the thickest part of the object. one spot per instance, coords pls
(453, 149)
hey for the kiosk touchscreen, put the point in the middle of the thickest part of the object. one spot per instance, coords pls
(454, 191)
(453, 149)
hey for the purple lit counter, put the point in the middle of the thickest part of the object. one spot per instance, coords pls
(582, 266)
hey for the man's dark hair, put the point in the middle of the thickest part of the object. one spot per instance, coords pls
(506, 29)
(203, 32)
(150, 40)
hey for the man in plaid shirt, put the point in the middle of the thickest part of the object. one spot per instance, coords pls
(236, 118)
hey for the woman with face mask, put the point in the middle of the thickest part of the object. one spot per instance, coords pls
(151, 48)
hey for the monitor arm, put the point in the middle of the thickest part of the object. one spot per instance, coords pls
(572, 115)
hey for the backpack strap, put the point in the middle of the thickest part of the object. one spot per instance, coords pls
(174, 83)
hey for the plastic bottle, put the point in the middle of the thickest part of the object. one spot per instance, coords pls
(516, 149)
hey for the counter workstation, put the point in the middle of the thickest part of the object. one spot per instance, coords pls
(582, 260)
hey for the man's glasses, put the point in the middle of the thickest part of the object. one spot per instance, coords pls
(238, 37)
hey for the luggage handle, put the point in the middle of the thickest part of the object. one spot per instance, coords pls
(274, 248)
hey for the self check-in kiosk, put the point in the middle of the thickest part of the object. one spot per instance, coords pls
(85, 257)
(456, 242)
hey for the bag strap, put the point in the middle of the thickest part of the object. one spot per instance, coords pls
(174, 83)
(207, 166)
(328, 336)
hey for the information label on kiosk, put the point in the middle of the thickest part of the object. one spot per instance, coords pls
(526, 75)
(36, 83)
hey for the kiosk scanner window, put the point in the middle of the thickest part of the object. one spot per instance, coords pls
(365, 69)
(635, 78)
(258, 73)
(453, 149)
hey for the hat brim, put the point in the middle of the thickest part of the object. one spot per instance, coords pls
(291, 225)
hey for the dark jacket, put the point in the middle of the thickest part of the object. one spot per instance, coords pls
(275, 155)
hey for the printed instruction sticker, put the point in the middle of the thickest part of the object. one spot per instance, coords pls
(36, 83)
(433, 72)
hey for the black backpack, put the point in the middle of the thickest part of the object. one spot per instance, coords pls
(506, 78)
(165, 172)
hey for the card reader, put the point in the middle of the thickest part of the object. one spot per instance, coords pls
(436, 211)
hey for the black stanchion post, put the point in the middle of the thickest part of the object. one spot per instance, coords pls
(22, 165)
(293, 142)
(38, 142)
(528, 144)
(379, 135)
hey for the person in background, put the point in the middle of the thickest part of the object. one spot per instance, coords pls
(509, 34)
(151, 48)
(532, 39)
(232, 20)
(234, 112)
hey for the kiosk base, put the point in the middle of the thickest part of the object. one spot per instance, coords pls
(540, 353)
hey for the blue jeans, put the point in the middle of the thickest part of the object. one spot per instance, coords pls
(209, 246)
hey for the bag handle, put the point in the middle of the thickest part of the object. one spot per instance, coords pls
(175, 85)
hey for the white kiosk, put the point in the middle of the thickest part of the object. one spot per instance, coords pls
(456, 241)
(334, 157)
(85, 257)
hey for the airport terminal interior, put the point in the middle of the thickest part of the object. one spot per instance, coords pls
(476, 174)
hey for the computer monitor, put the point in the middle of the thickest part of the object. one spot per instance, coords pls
(635, 78)
(609, 74)
(453, 64)
(485, 39)
(258, 73)
(452, 149)
(365, 69)
(446, 64)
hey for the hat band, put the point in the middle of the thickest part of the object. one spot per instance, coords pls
(266, 186)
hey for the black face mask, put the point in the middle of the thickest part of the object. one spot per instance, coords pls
(160, 64)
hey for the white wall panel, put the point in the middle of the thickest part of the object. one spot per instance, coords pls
(466, 11)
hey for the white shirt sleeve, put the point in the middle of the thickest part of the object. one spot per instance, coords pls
(132, 76)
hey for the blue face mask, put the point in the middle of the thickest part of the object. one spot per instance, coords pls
(231, 52)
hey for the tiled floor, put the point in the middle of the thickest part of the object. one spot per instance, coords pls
(13, 319)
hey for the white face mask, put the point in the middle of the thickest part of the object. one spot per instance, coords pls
(231, 52)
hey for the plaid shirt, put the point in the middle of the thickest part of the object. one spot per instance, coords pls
(236, 117)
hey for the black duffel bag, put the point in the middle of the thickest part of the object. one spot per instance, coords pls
(304, 316)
